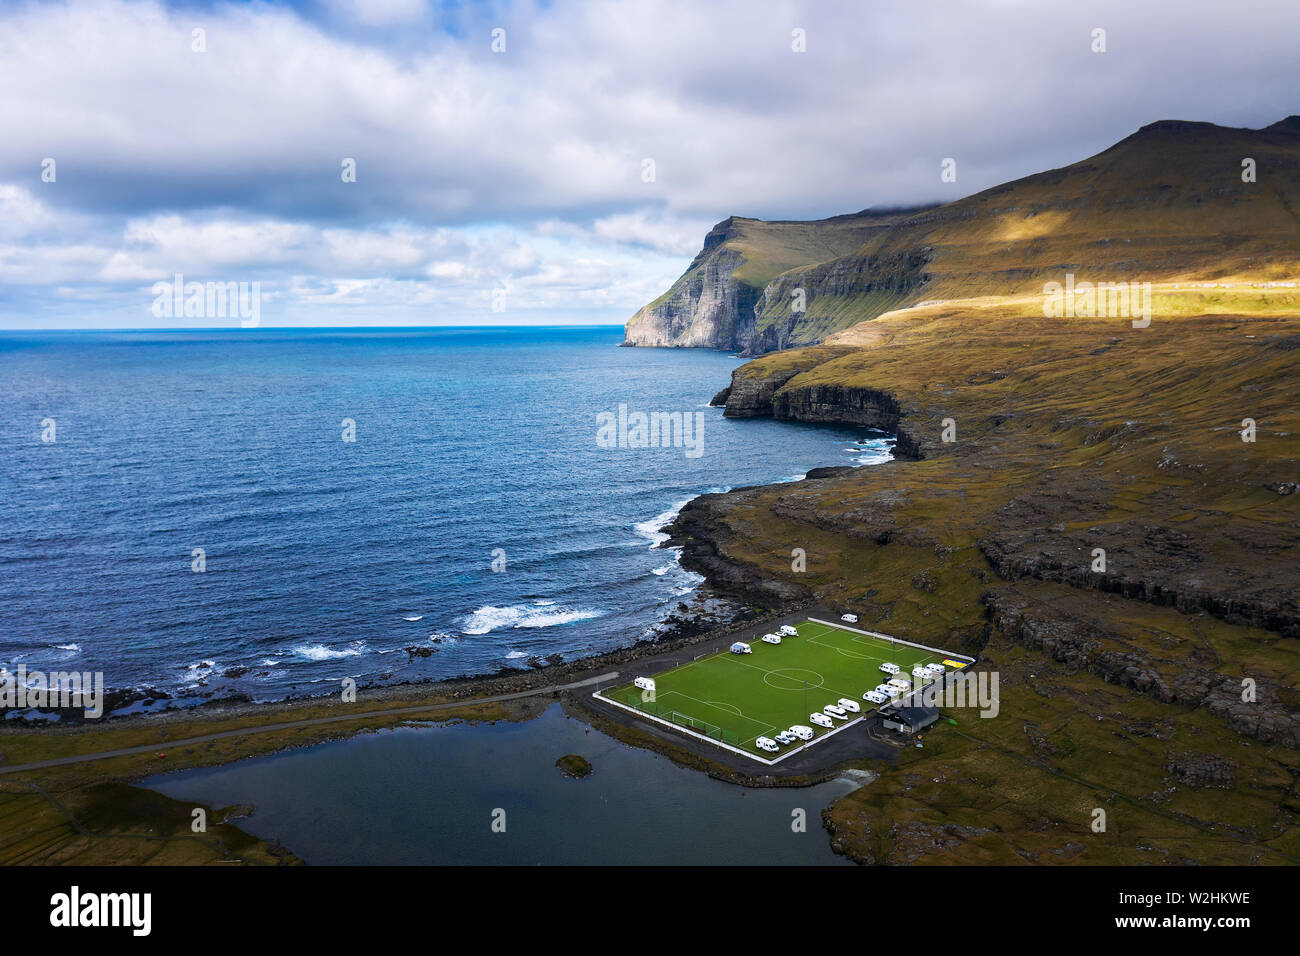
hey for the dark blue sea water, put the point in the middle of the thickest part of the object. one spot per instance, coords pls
(328, 558)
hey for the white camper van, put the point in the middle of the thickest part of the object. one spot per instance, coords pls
(802, 732)
(850, 705)
(645, 683)
(821, 720)
(849, 618)
(789, 631)
(772, 638)
(767, 743)
(901, 683)
(875, 697)
(835, 711)
(888, 668)
(740, 647)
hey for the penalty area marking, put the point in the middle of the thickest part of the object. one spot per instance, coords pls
(797, 683)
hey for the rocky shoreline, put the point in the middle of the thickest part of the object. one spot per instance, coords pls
(715, 612)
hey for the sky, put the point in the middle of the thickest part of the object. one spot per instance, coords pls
(542, 162)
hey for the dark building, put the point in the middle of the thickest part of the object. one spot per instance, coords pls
(910, 720)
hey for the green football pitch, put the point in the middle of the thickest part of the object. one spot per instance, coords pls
(737, 698)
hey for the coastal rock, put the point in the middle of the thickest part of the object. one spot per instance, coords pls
(1149, 561)
(833, 471)
(1202, 770)
(715, 302)
(752, 397)
(1272, 716)
(837, 404)
(704, 536)
(707, 307)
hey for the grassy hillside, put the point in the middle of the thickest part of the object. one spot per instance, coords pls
(1167, 205)
(1120, 689)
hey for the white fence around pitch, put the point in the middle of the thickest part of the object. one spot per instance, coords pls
(718, 743)
(831, 733)
(894, 640)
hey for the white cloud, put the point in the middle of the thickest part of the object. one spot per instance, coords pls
(473, 166)
(382, 12)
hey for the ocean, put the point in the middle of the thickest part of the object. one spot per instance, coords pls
(262, 512)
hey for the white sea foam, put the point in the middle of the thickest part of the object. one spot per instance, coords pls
(319, 652)
(875, 452)
(662, 571)
(515, 655)
(414, 617)
(67, 647)
(491, 618)
(553, 618)
(652, 530)
(198, 672)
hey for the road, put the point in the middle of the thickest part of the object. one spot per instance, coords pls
(292, 724)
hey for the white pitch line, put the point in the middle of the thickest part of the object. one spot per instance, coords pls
(723, 705)
(739, 713)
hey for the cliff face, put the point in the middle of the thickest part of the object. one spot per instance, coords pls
(707, 307)
(716, 301)
(836, 295)
(768, 388)
(754, 386)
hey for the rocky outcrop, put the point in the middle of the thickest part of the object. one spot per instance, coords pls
(1195, 769)
(1270, 716)
(753, 386)
(705, 538)
(1149, 561)
(708, 307)
(837, 404)
(835, 295)
(765, 393)
(752, 397)
(715, 302)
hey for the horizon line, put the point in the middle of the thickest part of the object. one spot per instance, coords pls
(318, 328)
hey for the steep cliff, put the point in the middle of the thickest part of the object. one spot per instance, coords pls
(713, 304)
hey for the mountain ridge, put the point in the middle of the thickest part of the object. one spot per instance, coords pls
(1164, 204)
